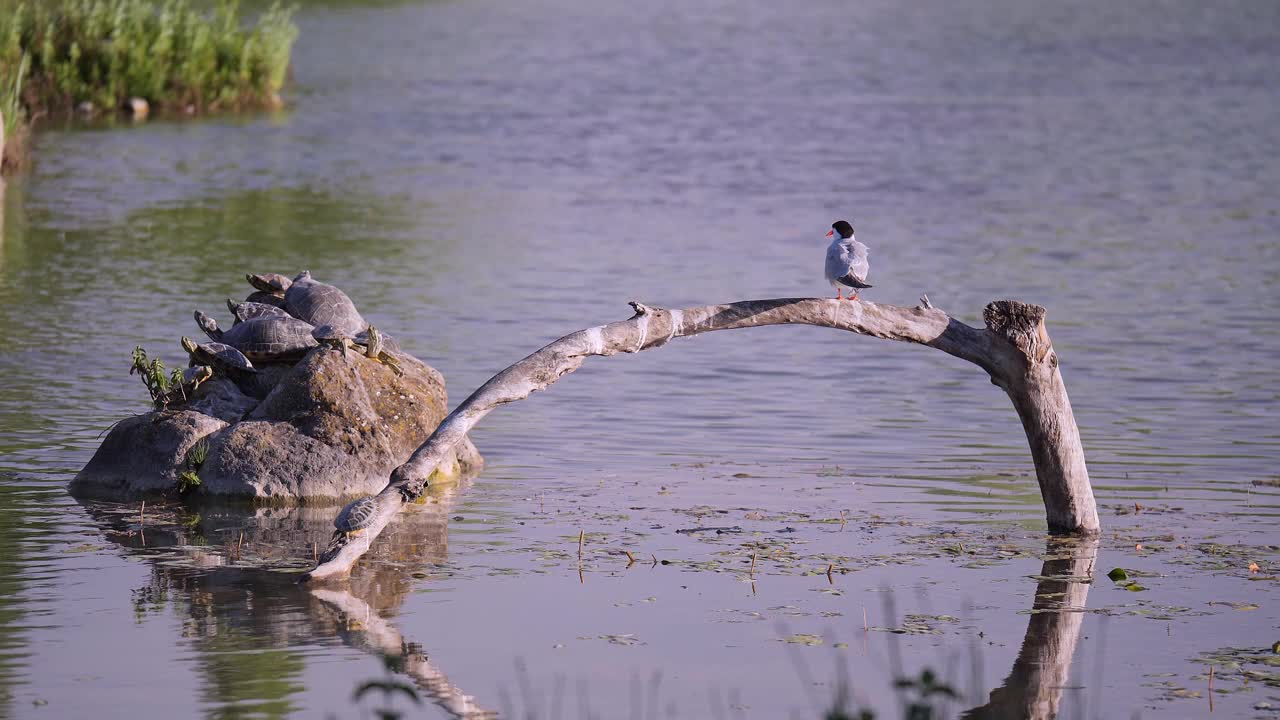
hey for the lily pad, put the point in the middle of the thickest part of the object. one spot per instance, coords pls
(803, 639)
(1246, 606)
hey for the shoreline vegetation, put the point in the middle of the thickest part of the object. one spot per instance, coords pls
(99, 57)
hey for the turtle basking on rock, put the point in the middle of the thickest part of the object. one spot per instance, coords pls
(219, 356)
(266, 338)
(270, 283)
(268, 288)
(257, 296)
(182, 390)
(247, 310)
(322, 304)
(371, 345)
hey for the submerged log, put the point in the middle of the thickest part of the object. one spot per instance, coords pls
(1013, 348)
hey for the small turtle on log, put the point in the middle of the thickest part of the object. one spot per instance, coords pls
(322, 304)
(266, 338)
(356, 516)
(371, 346)
(249, 310)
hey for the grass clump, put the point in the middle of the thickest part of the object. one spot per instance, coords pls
(60, 55)
(199, 453)
(188, 481)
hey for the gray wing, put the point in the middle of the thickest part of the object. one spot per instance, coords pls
(838, 261)
(858, 263)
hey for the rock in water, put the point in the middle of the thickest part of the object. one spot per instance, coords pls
(144, 454)
(332, 428)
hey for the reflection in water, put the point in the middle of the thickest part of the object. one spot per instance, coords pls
(246, 616)
(28, 528)
(366, 629)
(1033, 688)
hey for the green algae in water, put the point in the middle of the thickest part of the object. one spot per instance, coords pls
(803, 639)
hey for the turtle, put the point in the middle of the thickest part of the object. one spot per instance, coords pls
(322, 304)
(330, 337)
(356, 516)
(390, 344)
(220, 357)
(181, 391)
(232, 364)
(257, 296)
(371, 345)
(374, 348)
(270, 283)
(267, 338)
(249, 310)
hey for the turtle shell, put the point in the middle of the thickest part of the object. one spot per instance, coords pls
(258, 296)
(218, 355)
(356, 516)
(322, 304)
(270, 337)
(329, 332)
(249, 310)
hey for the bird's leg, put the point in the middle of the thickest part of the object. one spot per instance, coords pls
(853, 295)
(839, 293)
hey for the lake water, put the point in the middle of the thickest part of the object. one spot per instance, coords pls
(483, 177)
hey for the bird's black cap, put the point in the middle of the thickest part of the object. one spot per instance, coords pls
(843, 227)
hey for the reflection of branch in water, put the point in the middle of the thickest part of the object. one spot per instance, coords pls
(220, 571)
(366, 629)
(1034, 685)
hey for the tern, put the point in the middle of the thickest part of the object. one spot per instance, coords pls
(847, 264)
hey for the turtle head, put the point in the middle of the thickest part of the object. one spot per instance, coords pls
(304, 275)
(373, 342)
(258, 282)
(273, 283)
(209, 326)
(189, 345)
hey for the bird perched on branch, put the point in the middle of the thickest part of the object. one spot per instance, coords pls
(847, 264)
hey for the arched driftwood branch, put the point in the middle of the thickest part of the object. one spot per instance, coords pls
(1014, 349)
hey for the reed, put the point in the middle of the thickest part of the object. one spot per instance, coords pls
(12, 116)
(57, 56)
